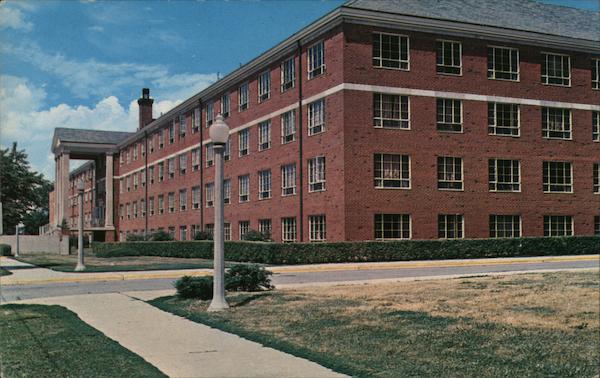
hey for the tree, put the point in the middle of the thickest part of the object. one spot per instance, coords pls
(23, 192)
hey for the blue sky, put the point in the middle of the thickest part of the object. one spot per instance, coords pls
(83, 63)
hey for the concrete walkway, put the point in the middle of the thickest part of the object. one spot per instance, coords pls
(180, 347)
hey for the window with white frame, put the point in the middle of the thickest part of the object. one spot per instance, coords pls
(182, 164)
(504, 119)
(264, 184)
(196, 121)
(161, 171)
(183, 200)
(244, 142)
(135, 209)
(225, 105)
(556, 123)
(171, 201)
(317, 226)
(316, 60)
(143, 149)
(182, 126)
(171, 167)
(122, 157)
(390, 51)
(558, 177)
(121, 185)
(503, 63)
(161, 204)
(288, 179)
(316, 174)
(504, 175)
(227, 231)
(210, 229)
(450, 226)
(558, 225)
(392, 226)
(288, 230)
(390, 111)
(243, 227)
(244, 188)
(227, 150)
(196, 197)
(135, 181)
(143, 208)
(288, 74)
(196, 158)
(264, 135)
(143, 177)
(210, 113)
(195, 228)
(391, 171)
(450, 175)
(227, 191)
(265, 227)
(449, 115)
(597, 178)
(171, 232)
(135, 152)
(243, 99)
(449, 57)
(264, 86)
(151, 206)
(172, 132)
(316, 117)
(128, 181)
(128, 155)
(596, 73)
(151, 143)
(161, 139)
(182, 232)
(556, 69)
(210, 194)
(210, 155)
(288, 127)
(505, 226)
(596, 126)
(128, 206)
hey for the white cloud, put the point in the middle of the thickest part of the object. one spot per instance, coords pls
(11, 17)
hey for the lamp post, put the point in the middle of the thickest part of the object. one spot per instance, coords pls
(19, 228)
(80, 265)
(219, 135)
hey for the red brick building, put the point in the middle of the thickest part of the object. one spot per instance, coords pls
(381, 120)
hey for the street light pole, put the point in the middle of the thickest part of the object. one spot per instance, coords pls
(80, 265)
(219, 135)
(18, 229)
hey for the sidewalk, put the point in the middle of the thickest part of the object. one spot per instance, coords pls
(180, 347)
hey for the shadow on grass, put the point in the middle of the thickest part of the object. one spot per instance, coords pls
(251, 298)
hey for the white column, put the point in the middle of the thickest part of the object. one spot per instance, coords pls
(54, 220)
(65, 185)
(108, 182)
(58, 196)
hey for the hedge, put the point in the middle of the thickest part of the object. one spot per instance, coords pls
(5, 250)
(314, 253)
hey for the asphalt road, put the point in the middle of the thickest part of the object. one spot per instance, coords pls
(17, 292)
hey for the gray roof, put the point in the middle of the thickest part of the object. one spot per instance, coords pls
(90, 136)
(525, 15)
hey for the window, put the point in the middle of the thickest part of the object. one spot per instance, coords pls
(264, 135)
(227, 191)
(392, 226)
(449, 115)
(196, 121)
(558, 177)
(210, 229)
(597, 178)
(244, 188)
(195, 228)
(128, 181)
(504, 119)
(171, 167)
(183, 200)
(171, 232)
(505, 175)
(161, 204)
(210, 155)
(449, 57)
(210, 113)
(556, 123)
(210, 194)
(288, 179)
(151, 143)
(264, 86)
(316, 117)
(556, 69)
(182, 126)
(505, 226)
(316, 60)
(243, 97)
(143, 208)
(128, 206)
(227, 231)
(135, 181)
(151, 205)
(390, 111)
(128, 155)
(182, 164)
(244, 227)
(143, 177)
(596, 126)
(317, 226)
(597, 226)
(161, 171)
(288, 230)
(392, 171)
(558, 225)
(172, 132)
(161, 139)
(143, 149)
(316, 174)
(390, 51)
(450, 175)
(121, 185)
(244, 142)
(288, 74)
(135, 209)
(171, 199)
(503, 63)
(182, 232)
(227, 150)
(450, 226)
(121, 157)
(596, 73)
(288, 127)
(196, 158)
(196, 197)
(225, 105)
(264, 184)
(135, 152)
(265, 227)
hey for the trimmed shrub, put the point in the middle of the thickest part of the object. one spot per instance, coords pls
(161, 235)
(5, 250)
(253, 235)
(203, 235)
(136, 237)
(248, 277)
(194, 287)
(316, 253)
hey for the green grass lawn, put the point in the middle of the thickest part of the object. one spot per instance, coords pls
(4, 272)
(66, 263)
(526, 325)
(51, 341)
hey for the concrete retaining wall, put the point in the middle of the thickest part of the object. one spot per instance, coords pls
(37, 243)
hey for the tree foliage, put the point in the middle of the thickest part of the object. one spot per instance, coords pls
(23, 192)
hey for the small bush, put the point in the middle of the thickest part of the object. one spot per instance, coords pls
(161, 235)
(136, 237)
(253, 235)
(203, 235)
(194, 287)
(248, 277)
(5, 250)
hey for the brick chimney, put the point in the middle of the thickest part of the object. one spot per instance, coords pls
(145, 105)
